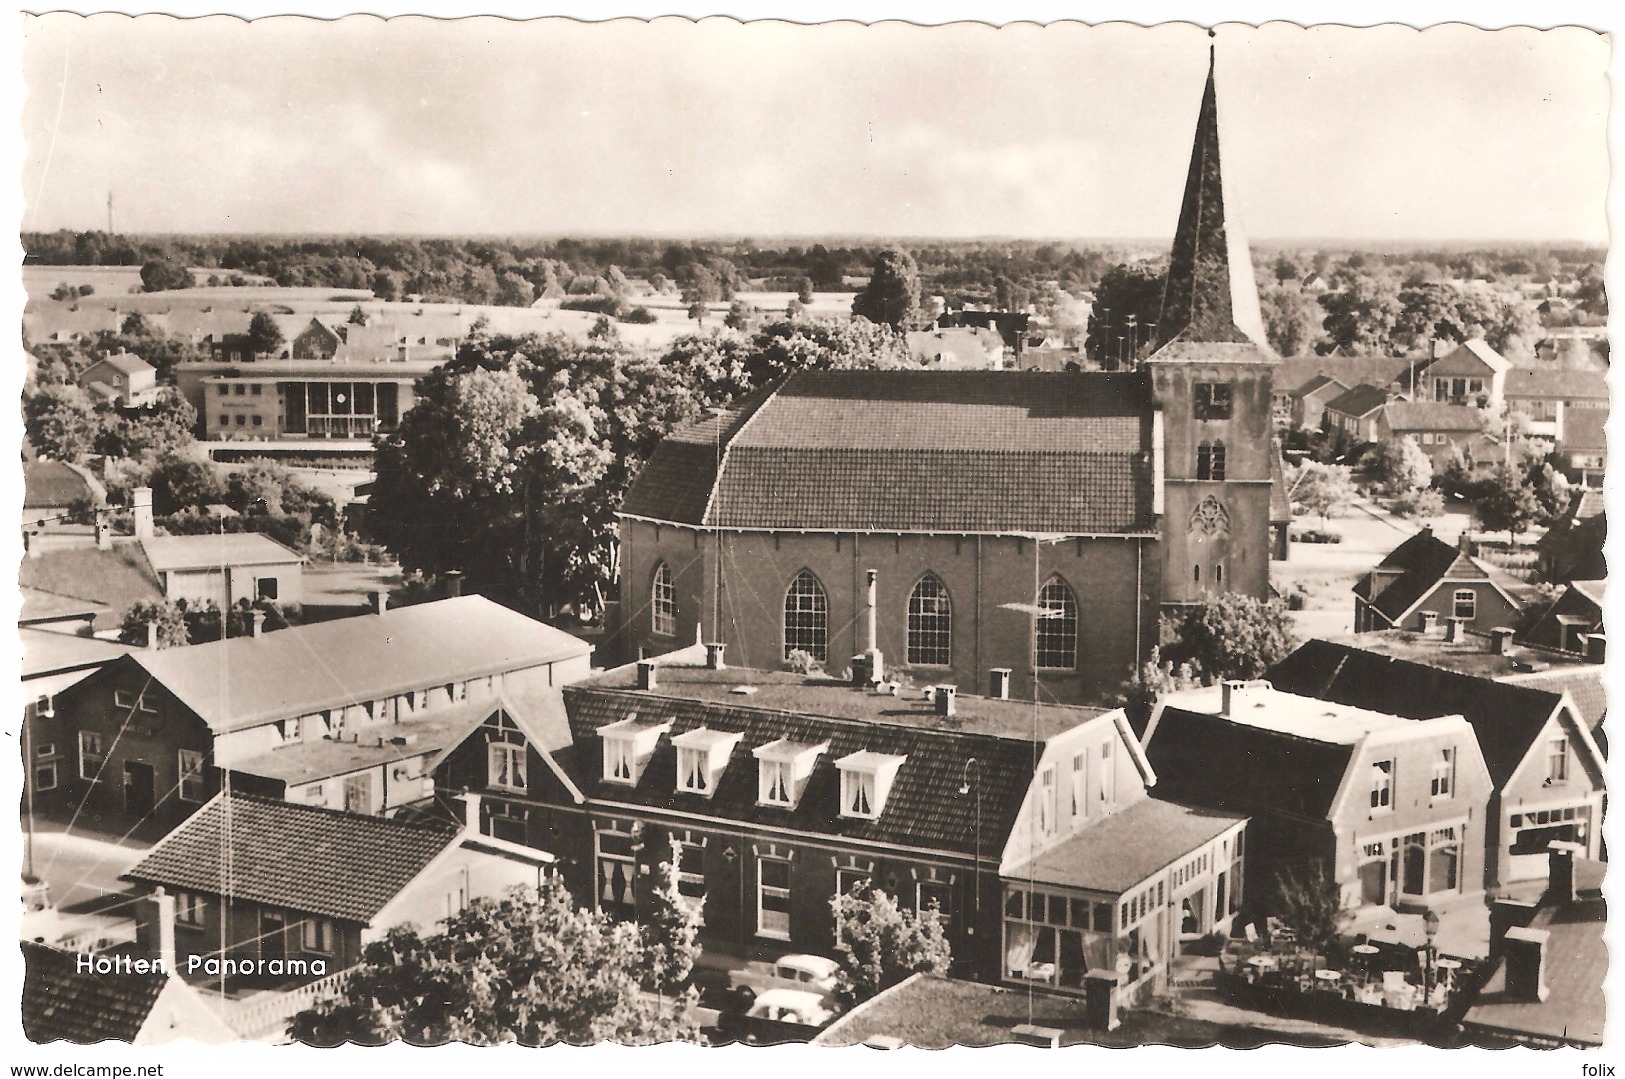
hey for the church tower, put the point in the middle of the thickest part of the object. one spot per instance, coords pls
(1211, 371)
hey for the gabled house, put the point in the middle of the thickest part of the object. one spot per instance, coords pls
(344, 713)
(1573, 623)
(1355, 412)
(1441, 430)
(773, 791)
(63, 1002)
(1547, 770)
(120, 378)
(1425, 584)
(1390, 807)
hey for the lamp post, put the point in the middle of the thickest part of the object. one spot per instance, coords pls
(1430, 925)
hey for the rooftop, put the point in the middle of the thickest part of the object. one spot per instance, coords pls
(301, 858)
(168, 553)
(1117, 852)
(1288, 713)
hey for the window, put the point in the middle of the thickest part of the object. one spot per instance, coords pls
(92, 752)
(317, 935)
(930, 623)
(663, 602)
(1557, 760)
(806, 618)
(1444, 774)
(773, 898)
(1056, 643)
(1464, 603)
(190, 763)
(1212, 400)
(189, 908)
(506, 766)
(1382, 786)
(45, 776)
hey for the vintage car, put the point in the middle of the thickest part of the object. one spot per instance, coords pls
(802, 973)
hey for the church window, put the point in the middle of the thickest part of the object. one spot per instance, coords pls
(806, 618)
(1057, 630)
(1212, 400)
(930, 623)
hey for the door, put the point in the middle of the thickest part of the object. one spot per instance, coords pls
(140, 788)
(273, 940)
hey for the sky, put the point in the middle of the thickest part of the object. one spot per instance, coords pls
(674, 128)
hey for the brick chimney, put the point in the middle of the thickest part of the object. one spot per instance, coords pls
(141, 512)
(1524, 952)
(943, 697)
(454, 583)
(647, 678)
(998, 683)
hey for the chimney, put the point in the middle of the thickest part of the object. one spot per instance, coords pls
(998, 683)
(943, 696)
(471, 813)
(876, 670)
(1524, 951)
(454, 583)
(1430, 622)
(1560, 882)
(104, 534)
(164, 914)
(380, 601)
(1455, 630)
(258, 619)
(1500, 638)
(1596, 647)
(141, 510)
(647, 678)
(714, 653)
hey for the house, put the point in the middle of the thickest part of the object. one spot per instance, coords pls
(296, 892)
(961, 349)
(1572, 548)
(317, 341)
(62, 1002)
(53, 661)
(946, 483)
(355, 707)
(1582, 447)
(1426, 584)
(1441, 430)
(1543, 393)
(773, 791)
(1571, 622)
(1390, 807)
(1306, 406)
(121, 378)
(1546, 768)
(1473, 374)
(1355, 412)
(1547, 988)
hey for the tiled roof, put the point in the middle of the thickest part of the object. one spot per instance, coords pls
(298, 857)
(1505, 717)
(61, 1004)
(1583, 429)
(923, 809)
(1211, 761)
(306, 668)
(1423, 561)
(973, 451)
(52, 483)
(1554, 382)
(1405, 416)
(1359, 401)
(117, 578)
(1120, 851)
(205, 551)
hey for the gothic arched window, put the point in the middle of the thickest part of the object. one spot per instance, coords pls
(930, 623)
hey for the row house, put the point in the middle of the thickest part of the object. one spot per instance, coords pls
(772, 792)
(346, 713)
(1392, 809)
(1426, 584)
(1546, 769)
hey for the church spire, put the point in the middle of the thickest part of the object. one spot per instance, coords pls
(1211, 296)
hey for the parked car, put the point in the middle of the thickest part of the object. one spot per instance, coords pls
(801, 973)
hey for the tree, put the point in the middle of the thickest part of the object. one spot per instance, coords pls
(1128, 302)
(1508, 503)
(1307, 899)
(1292, 320)
(528, 967)
(160, 275)
(880, 943)
(264, 335)
(1324, 490)
(1400, 466)
(892, 296)
(153, 617)
(1233, 636)
(60, 422)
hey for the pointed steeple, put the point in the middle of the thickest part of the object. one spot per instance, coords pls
(1211, 296)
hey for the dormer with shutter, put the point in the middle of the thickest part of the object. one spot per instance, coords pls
(784, 767)
(628, 745)
(702, 755)
(866, 780)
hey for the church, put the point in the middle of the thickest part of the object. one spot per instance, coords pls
(1012, 532)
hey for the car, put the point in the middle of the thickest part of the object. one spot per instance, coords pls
(802, 973)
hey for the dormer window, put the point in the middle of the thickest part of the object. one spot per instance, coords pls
(866, 779)
(628, 745)
(784, 767)
(702, 755)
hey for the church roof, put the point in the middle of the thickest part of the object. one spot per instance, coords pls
(915, 451)
(1211, 297)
